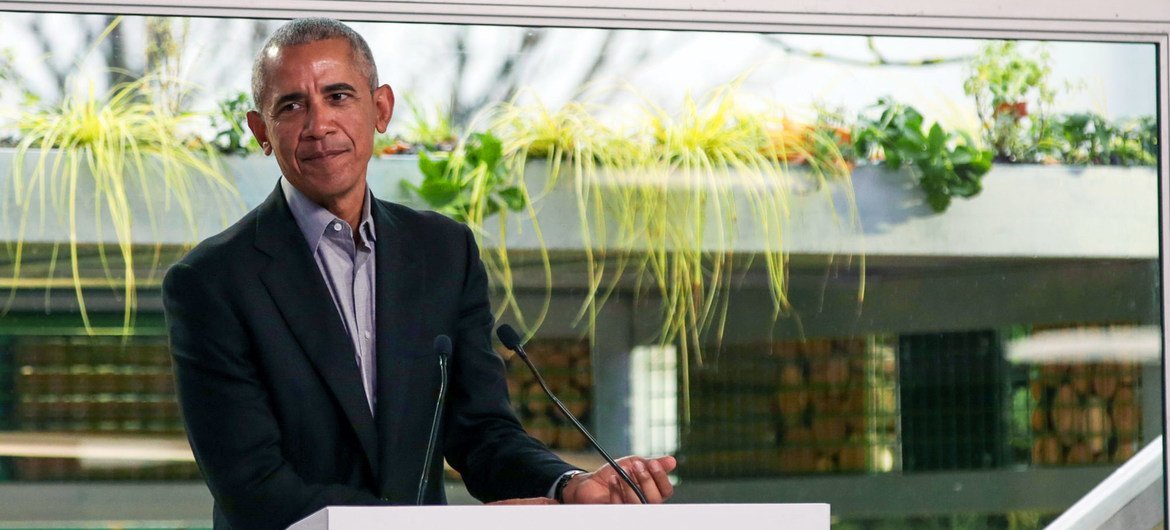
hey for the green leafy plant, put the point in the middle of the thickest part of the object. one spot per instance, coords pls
(468, 184)
(471, 184)
(127, 148)
(231, 135)
(1088, 138)
(945, 164)
(430, 128)
(1011, 94)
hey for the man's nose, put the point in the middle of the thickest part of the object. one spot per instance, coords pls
(319, 121)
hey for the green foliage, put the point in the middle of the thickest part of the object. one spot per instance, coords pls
(660, 200)
(831, 141)
(472, 183)
(703, 153)
(430, 128)
(571, 140)
(127, 146)
(1087, 138)
(570, 137)
(165, 40)
(1011, 95)
(231, 135)
(468, 184)
(1021, 420)
(946, 164)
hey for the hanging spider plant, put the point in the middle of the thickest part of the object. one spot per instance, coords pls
(659, 200)
(129, 149)
(573, 139)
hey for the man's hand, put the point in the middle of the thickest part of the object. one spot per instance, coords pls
(604, 486)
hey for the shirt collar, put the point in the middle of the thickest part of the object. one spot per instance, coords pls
(312, 219)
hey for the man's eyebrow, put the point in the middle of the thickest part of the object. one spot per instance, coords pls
(338, 87)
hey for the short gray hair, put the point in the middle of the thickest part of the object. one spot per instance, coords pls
(307, 31)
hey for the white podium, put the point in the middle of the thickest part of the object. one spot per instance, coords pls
(571, 517)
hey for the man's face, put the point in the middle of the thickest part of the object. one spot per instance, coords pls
(318, 117)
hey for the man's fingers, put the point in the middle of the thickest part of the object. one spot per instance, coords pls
(628, 495)
(658, 474)
(651, 476)
(645, 480)
(623, 489)
(533, 500)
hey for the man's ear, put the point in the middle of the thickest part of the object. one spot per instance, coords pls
(259, 130)
(384, 103)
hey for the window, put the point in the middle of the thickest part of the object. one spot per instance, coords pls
(817, 267)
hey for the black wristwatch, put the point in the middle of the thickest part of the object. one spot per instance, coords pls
(559, 488)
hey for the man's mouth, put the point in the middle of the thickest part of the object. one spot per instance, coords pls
(321, 156)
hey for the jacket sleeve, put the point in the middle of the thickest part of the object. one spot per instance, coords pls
(230, 422)
(483, 440)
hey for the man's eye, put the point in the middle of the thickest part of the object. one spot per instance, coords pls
(340, 96)
(288, 107)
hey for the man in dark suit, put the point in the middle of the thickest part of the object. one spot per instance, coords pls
(302, 335)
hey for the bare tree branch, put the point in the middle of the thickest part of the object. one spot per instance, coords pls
(510, 72)
(119, 69)
(877, 60)
(507, 78)
(599, 62)
(41, 39)
(459, 114)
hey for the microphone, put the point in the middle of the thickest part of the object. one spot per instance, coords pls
(443, 349)
(511, 340)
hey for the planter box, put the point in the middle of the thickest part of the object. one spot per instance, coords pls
(1023, 212)
(214, 209)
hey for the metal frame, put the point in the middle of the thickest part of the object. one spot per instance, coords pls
(1145, 21)
(1106, 504)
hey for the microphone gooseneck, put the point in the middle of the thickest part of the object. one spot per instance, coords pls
(443, 350)
(511, 340)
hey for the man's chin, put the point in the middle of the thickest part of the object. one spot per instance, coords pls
(323, 185)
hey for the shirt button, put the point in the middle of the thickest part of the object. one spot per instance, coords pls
(367, 334)
(336, 227)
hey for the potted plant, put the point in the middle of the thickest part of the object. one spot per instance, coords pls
(945, 164)
(1011, 94)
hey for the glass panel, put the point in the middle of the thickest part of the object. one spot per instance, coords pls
(814, 268)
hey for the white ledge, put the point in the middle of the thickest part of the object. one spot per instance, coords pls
(1024, 211)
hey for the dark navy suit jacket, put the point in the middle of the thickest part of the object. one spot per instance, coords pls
(273, 399)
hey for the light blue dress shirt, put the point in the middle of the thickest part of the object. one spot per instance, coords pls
(347, 265)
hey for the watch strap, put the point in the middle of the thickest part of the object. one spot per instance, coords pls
(559, 489)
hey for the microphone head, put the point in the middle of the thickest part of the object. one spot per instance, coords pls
(443, 346)
(508, 337)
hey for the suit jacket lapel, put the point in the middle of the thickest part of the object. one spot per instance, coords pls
(294, 281)
(401, 278)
